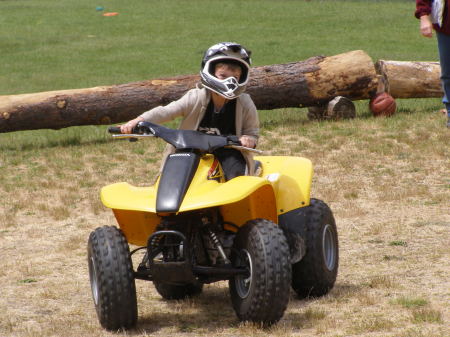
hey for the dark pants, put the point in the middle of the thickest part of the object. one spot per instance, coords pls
(232, 162)
(444, 56)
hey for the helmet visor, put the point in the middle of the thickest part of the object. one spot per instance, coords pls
(228, 49)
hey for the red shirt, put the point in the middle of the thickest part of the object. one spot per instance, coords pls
(423, 7)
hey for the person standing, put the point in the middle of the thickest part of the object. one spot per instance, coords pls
(434, 14)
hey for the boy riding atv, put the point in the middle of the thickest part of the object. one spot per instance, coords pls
(219, 106)
(208, 217)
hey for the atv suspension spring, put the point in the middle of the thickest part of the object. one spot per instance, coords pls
(218, 245)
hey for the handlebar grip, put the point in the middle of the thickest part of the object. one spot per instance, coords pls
(114, 129)
(233, 140)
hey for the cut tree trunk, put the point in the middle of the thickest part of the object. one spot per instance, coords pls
(336, 109)
(404, 79)
(312, 82)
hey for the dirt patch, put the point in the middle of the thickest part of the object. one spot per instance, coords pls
(391, 203)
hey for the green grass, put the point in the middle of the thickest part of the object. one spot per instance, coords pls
(398, 243)
(28, 280)
(426, 315)
(50, 45)
(411, 302)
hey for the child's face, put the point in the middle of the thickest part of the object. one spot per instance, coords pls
(225, 70)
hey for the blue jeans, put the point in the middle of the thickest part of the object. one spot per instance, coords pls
(444, 56)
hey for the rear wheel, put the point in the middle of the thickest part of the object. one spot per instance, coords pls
(177, 292)
(112, 280)
(262, 295)
(316, 273)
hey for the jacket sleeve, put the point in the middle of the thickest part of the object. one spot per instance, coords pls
(423, 7)
(162, 114)
(250, 120)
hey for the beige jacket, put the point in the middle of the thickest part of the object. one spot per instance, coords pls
(192, 107)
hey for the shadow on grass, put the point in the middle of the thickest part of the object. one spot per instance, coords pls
(213, 311)
(209, 311)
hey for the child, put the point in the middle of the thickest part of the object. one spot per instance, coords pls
(217, 106)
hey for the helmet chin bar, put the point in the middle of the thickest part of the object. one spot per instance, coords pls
(228, 88)
(231, 84)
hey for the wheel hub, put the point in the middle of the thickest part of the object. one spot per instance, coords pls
(93, 277)
(329, 248)
(243, 283)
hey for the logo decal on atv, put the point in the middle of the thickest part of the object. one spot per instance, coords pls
(215, 173)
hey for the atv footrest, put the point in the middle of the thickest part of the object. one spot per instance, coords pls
(143, 275)
(224, 272)
(172, 272)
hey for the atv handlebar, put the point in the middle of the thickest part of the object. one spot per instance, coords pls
(181, 139)
(244, 148)
(114, 130)
(137, 133)
(131, 136)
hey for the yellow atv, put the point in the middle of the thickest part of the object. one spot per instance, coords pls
(262, 233)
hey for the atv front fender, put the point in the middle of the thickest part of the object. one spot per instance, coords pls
(239, 200)
(210, 194)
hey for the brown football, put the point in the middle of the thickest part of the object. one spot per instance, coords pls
(382, 104)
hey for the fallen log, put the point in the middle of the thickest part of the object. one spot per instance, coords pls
(404, 79)
(315, 81)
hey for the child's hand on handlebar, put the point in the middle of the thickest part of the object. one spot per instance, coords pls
(130, 125)
(248, 141)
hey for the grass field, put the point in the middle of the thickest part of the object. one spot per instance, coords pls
(387, 180)
(51, 45)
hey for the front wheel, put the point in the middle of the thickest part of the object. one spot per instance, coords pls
(316, 273)
(262, 295)
(112, 279)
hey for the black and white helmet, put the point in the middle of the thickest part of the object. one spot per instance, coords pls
(229, 88)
